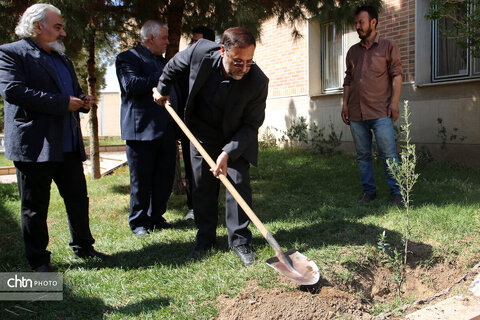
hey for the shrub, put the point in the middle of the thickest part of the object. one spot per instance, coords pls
(300, 133)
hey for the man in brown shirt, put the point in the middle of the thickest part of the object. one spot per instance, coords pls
(371, 91)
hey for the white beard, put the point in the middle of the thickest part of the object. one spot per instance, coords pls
(56, 46)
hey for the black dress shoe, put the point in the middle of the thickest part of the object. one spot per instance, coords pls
(44, 268)
(245, 253)
(161, 225)
(367, 197)
(88, 254)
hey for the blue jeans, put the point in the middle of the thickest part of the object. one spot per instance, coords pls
(384, 136)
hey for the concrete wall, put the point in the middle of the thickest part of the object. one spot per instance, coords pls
(108, 114)
(457, 104)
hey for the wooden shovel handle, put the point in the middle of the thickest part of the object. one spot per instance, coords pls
(221, 176)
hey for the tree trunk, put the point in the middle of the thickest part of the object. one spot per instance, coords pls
(178, 186)
(92, 118)
(174, 19)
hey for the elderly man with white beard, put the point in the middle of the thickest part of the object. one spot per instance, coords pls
(42, 132)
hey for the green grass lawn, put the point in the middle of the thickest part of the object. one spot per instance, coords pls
(4, 162)
(309, 202)
(104, 141)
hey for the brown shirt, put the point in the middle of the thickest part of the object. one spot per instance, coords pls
(369, 77)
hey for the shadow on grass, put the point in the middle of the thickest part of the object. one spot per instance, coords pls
(308, 201)
(120, 189)
(445, 184)
(171, 254)
(12, 251)
(12, 259)
(304, 180)
(345, 233)
(76, 307)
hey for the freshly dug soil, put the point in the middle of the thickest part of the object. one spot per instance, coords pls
(331, 300)
(258, 303)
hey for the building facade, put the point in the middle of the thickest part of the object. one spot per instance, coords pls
(441, 81)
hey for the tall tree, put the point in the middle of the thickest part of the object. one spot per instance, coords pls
(93, 26)
(10, 12)
(459, 20)
(1, 115)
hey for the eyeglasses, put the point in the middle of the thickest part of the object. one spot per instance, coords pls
(241, 63)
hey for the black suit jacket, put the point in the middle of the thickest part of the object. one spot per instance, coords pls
(245, 109)
(34, 105)
(141, 118)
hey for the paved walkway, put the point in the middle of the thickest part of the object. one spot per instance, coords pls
(109, 161)
(8, 178)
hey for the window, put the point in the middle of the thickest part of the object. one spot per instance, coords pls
(450, 60)
(335, 43)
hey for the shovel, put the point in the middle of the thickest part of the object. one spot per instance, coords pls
(292, 264)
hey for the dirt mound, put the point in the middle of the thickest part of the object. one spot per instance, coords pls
(257, 303)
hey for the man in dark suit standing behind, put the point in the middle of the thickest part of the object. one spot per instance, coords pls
(148, 130)
(42, 131)
(224, 109)
(178, 103)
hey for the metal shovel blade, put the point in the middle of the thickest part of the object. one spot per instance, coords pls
(302, 270)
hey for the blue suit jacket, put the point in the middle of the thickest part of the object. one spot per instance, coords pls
(141, 118)
(245, 109)
(34, 104)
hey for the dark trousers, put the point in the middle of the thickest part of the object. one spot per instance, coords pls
(34, 181)
(205, 199)
(187, 164)
(152, 170)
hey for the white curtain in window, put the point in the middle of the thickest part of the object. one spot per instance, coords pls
(335, 45)
(332, 52)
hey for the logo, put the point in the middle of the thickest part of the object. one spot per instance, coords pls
(22, 286)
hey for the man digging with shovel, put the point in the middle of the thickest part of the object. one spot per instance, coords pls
(224, 109)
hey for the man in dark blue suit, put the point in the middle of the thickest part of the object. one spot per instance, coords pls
(42, 131)
(225, 107)
(148, 130)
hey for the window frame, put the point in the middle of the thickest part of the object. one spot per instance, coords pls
(471, 62)
(323, 56)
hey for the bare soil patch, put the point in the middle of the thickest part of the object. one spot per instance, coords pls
(257, 303)
(331, 299)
